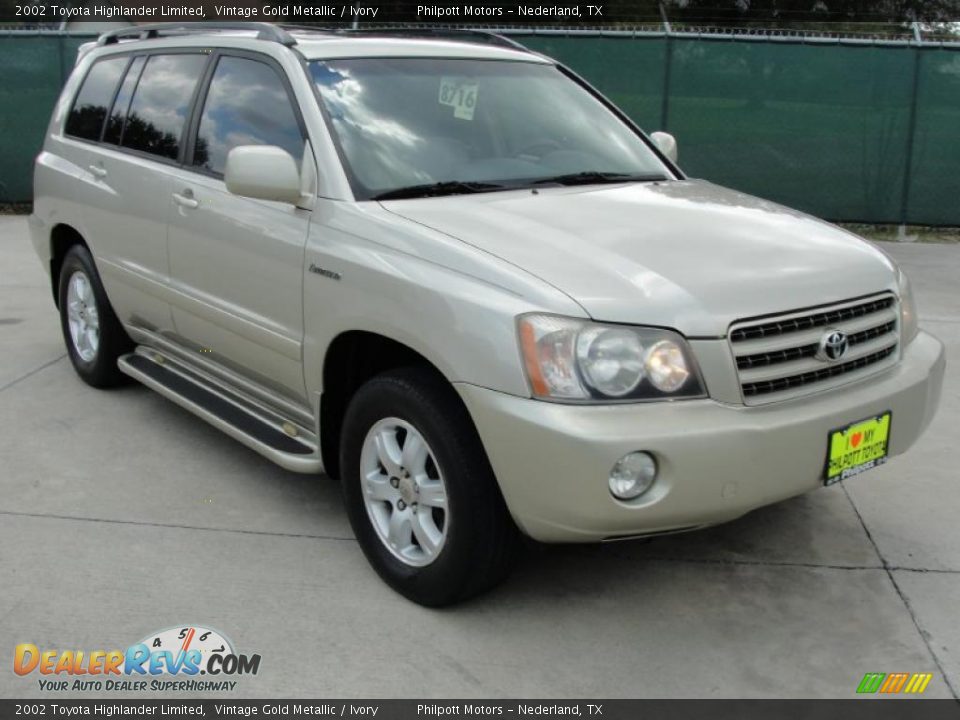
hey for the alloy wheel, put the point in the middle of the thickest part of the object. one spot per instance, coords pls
(83, 317)
(404, 492)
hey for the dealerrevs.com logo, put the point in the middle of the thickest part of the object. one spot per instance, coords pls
(185, 658)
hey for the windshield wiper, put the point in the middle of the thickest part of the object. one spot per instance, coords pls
(463, 187)
(590, 177)
(451, 187)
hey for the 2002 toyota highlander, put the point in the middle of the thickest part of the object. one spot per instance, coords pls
(452, 275)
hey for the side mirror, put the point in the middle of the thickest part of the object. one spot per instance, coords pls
(667, 144)
(263, 172)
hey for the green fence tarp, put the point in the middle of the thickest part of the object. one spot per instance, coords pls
(934, 192)
(856, 132)
(824, 128)
(33, 68)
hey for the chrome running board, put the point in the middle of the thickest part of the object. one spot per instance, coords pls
(284, 441)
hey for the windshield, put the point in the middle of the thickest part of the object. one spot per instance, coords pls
(406, 125)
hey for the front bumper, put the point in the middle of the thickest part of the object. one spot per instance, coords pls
(716, 461)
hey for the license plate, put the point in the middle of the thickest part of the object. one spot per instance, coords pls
(857, 448)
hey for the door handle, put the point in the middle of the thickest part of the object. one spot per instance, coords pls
(98, 171)
(186, 199)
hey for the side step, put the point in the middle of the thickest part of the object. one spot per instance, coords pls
(284, 442)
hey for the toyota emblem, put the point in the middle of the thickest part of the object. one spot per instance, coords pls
(833, 346)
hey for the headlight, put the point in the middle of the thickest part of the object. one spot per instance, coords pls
(610, 360)
(909, 324)
(666, 366)
(570, 359)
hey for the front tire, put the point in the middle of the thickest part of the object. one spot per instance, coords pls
(93, 334)
(420, 493)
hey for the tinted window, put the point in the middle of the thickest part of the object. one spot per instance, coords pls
(161, 102)
(119, 113)
(247, 104)
(90, 107)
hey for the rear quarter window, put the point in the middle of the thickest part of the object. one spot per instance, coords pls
(96, 94)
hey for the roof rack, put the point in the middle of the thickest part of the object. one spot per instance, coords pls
(265, 31)
(466, 34)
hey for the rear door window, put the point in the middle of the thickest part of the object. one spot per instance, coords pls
(161, 102)
(96, 93)
(118, 114)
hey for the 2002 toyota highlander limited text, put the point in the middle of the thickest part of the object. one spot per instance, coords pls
(450, 274)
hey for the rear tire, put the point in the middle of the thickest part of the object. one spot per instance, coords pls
(93, 334)
(420, 493)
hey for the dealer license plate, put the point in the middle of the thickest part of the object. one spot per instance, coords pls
(857, 448)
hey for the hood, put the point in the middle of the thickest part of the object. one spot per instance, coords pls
(683, 254)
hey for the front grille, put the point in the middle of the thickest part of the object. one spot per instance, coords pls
(777, 358)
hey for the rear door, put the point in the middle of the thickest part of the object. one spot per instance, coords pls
(126, 132)
(236, 264)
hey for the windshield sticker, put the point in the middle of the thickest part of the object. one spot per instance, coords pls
(459, 94)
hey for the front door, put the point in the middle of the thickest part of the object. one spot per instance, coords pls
(236, 264)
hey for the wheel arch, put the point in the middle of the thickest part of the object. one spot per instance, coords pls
(62, 237)
(352, 358)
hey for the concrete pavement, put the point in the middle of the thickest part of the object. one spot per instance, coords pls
(121, 514)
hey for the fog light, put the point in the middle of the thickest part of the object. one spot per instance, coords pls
(632, 475)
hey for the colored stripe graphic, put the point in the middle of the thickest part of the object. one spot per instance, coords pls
(892, 683)
(871, 682)
(918, 682)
